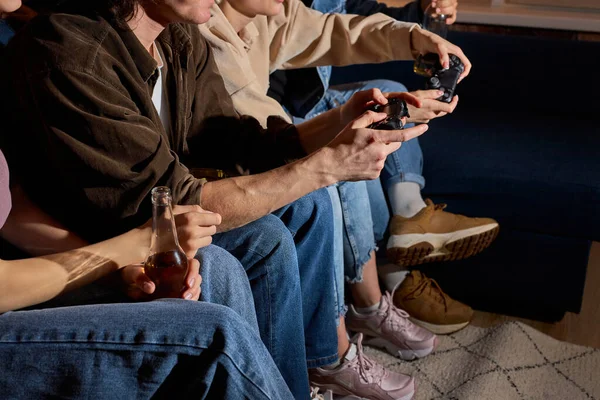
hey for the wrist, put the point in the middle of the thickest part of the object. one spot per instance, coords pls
(142, 237)
(318, 167)
(415, 31)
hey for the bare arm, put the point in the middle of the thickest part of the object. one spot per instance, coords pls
(31, 281)
(357, 153)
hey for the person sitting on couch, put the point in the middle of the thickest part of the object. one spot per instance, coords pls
(124, 97)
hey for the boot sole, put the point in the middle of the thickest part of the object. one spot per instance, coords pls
(440, 329)
(415, 249)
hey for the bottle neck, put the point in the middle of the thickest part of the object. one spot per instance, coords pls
(164, 232)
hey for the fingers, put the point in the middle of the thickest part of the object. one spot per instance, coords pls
(181, 209)
(193, 280)
(367, 119)
(195, 218)
(134, 275)
(390, 137)
(442, 51)
(428, 94)
(445, 7)
(459, 53)
(364, 97)
(410, 98)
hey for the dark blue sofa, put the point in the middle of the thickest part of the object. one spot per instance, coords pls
(523, 147)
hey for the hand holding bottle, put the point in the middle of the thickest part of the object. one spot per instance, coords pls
(449, 8)
(139, 286)
(195, 227)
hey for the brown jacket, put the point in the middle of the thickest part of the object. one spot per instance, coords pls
(87, 142)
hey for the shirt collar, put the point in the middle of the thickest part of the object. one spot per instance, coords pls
(173, 36)
(220, 26)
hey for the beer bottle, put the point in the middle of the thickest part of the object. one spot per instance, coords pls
(167, 263)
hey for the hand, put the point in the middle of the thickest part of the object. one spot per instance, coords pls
(195, 227)
(445, 7)
(361, 101)
(429, 108)
(424, 42)
(359, 153)
(138, 285)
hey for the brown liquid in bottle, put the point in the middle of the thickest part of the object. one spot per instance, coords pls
(167, 270)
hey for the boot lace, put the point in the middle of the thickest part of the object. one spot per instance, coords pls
(432, 288)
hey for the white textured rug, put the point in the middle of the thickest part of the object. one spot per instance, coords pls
(508, 361)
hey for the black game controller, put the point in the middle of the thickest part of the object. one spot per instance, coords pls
(440, 78)
(396, 109)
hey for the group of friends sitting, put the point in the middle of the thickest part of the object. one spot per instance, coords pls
(283, 194)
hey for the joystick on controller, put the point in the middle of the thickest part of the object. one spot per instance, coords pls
(396, 109)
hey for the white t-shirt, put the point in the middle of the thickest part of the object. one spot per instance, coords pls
(159, 93)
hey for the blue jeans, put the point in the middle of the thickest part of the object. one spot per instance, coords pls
(141, 350)
(362, 230)
(288, 259)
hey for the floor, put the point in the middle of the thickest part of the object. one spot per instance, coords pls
(582, 328)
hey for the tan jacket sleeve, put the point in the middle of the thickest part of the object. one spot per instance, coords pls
(302, 37)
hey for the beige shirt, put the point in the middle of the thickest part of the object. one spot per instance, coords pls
(296, 38)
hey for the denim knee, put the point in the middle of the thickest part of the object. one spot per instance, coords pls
(224, 282)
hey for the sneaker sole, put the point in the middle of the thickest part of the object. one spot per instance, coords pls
(440, 329)
(403, 354)
(414, 249)
(341, 393)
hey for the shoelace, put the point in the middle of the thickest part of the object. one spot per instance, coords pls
(431, 284)
(369, 371)
(315, 395)
(436, 207)
(396, 317)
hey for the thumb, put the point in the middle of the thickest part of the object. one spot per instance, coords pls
(136, 276)
(368, 118)
(409, 98)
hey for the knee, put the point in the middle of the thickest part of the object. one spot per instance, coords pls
(315, 207)
(215, 259)
(269, 236)
(386, 85)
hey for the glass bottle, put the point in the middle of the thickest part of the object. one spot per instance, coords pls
(167, 263)
(435, 23)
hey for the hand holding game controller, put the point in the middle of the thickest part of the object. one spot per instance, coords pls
(396, 109)
(439, 78)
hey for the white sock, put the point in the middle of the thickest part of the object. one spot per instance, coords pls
(391, 275)
(349, 356)
(351, 353)
(405, 199)
(368, 310)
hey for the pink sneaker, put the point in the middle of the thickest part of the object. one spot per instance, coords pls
(363, 378)
(390, 328)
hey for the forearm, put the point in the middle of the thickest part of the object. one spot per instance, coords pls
(31, 281)
(320, 130)
(35, 232)
(244, 199)
(311, 39)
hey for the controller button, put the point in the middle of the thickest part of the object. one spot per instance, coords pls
(434, 82)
